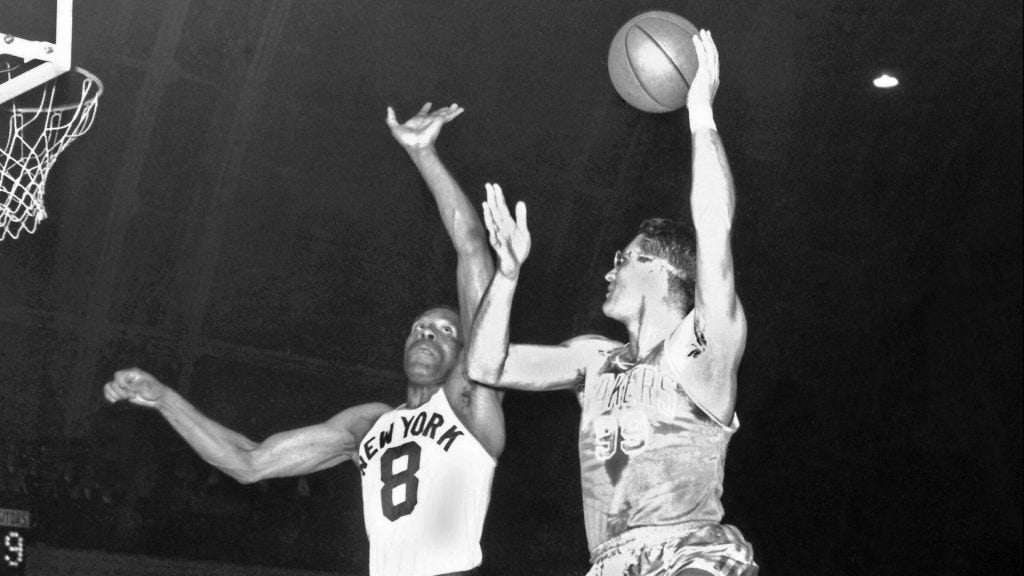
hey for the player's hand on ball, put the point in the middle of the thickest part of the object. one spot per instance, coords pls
(421, 130)
(136, 386)
(510, 237)
(705, 82)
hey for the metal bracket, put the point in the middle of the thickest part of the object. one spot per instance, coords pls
(56, 56)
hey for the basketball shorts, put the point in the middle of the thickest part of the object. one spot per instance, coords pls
(717, 549)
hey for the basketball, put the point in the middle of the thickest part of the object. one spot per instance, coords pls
(652, 61)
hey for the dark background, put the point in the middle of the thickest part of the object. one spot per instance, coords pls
(240, 222)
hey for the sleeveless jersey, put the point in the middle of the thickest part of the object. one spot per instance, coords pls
(649, 456)
(426, 485)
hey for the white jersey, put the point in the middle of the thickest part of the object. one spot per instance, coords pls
(426, 486)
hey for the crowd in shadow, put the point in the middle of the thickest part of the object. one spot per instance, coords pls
(174, 506)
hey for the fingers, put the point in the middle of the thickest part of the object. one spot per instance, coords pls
(702, 55)
(448, 113)
(501, 217)
(492, 232)
(504, 217)
(492, 205)
(453, 115)
(498, 213)
(711, 49)
(120, 387)
(451, 112)
(521, 215)
(109, 394)
(707, 51)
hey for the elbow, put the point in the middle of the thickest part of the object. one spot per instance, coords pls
(248, 475)
(244, 470)
(240, 475)
(483, 375)
(471, 243)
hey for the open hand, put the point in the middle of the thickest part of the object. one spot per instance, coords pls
(510, 237)
(421, 130)
(705, 82)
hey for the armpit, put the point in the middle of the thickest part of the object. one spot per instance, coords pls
(700, 341)
(581, 382)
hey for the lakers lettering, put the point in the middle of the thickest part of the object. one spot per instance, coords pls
(642, 386)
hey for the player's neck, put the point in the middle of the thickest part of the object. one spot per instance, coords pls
(650, 327)
(419, 394)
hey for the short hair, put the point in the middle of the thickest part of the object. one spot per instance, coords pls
(676, 242)
(447, 307)
(453, 310)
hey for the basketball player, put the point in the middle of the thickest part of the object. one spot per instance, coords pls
(657, 411)
(427, 465)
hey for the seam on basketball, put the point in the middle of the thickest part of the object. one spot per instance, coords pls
(668, 57)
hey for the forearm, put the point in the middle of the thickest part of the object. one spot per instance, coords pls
(488, 342)
(221, 447)
(457, 213)
(712, 199)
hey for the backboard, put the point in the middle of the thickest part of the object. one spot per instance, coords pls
(42, 111)
(43, 60)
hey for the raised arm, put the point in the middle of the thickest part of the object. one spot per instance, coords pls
(475, 267)
(291, 453)
(719, 322)
(712, 202)
(490, 359)
(478, 406)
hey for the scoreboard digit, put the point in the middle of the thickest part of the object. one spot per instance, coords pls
(14, 528)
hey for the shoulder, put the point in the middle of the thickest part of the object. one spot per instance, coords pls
(357, 420)
(592, 343)
(592, 348)
(717, 338)
(593, 351)
(369, 410)
(706, 364)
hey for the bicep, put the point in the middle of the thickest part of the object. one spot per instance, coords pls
(317, 447)
(719, 329)
(715, 296)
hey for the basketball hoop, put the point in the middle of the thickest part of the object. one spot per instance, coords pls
(39, 128)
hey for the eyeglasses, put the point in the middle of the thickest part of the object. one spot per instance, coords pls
(622, 258)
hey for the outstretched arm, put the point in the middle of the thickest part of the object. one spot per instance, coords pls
(291, 453)
(510, 238)
(475, 267)
(719, 322)
(490, 359)
(478, 406)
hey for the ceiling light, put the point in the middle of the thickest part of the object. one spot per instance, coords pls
(886, 81)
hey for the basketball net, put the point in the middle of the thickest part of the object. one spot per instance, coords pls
(36, 135)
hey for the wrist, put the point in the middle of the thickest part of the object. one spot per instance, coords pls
(510, 277)
(421, 151)
(701, 117)
(167, 401)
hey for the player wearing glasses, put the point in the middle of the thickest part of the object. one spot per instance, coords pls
(657, 411)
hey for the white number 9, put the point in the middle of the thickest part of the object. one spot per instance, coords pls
(15, 544)
(606, 437)
(635, 432)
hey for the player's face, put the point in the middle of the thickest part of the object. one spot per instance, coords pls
(631, 279)
(433, 346)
